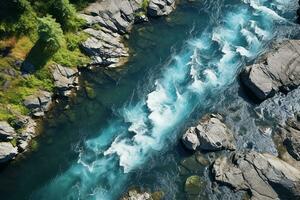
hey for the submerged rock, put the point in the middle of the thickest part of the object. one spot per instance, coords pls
(7, 151)
(134, 194)
(210, 135)
(193, 185)
(6, 131)
(279, 71)
(263, 175)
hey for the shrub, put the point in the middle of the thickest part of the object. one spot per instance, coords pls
(50, 34)
(65, 14)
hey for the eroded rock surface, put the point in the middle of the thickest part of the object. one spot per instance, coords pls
(210, 134)
(65, 79)
(265, 176)
(278, 71)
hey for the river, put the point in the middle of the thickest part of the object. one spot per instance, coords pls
(181, 67)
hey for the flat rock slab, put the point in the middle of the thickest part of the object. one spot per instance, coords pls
(265, 176)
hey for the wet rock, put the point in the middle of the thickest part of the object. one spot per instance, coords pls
(6, 131)
(39, 103)
(65, 79)
(279, 71)
(210, 135)
(191, 164)
(193, 185)
(134, 194)
(7, 151)
(190, 139)
(291, 133)
(263, 175)
(160, 7)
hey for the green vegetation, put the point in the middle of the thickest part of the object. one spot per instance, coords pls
(145, 4)
(41, 33)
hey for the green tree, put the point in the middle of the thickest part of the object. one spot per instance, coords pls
(50, 34)
(66, 15)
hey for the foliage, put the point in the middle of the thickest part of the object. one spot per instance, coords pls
(65, 14)
(41, 32)
(145, 4)
(16, 18)
(50, 34)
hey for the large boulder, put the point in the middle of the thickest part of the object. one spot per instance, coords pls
(211, 134)
(278, 71)
(160, 7)
(6, 131)
(265, 176)
(7, 151)
(38, 103)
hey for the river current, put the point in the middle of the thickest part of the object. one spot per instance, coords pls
(211, 45)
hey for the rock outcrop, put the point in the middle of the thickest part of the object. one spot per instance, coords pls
(65, 79)
(210, 134)
(160, 7)
(291, 134)
(6, 131)
(109, 20)
(7, 151)
(264, 176)
(39, 103)
(278, 71)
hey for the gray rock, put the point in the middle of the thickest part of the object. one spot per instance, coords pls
(291, 132)
(105, 47)
(265, 176)
(190, 139)
(160, 7)
(23, 144)
(279, 70)
(210, 134)
(39, 103)
(7, 151)
(6, 131)
(65, 79)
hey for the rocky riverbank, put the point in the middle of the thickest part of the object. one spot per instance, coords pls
(273, 82)
(108, 25)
